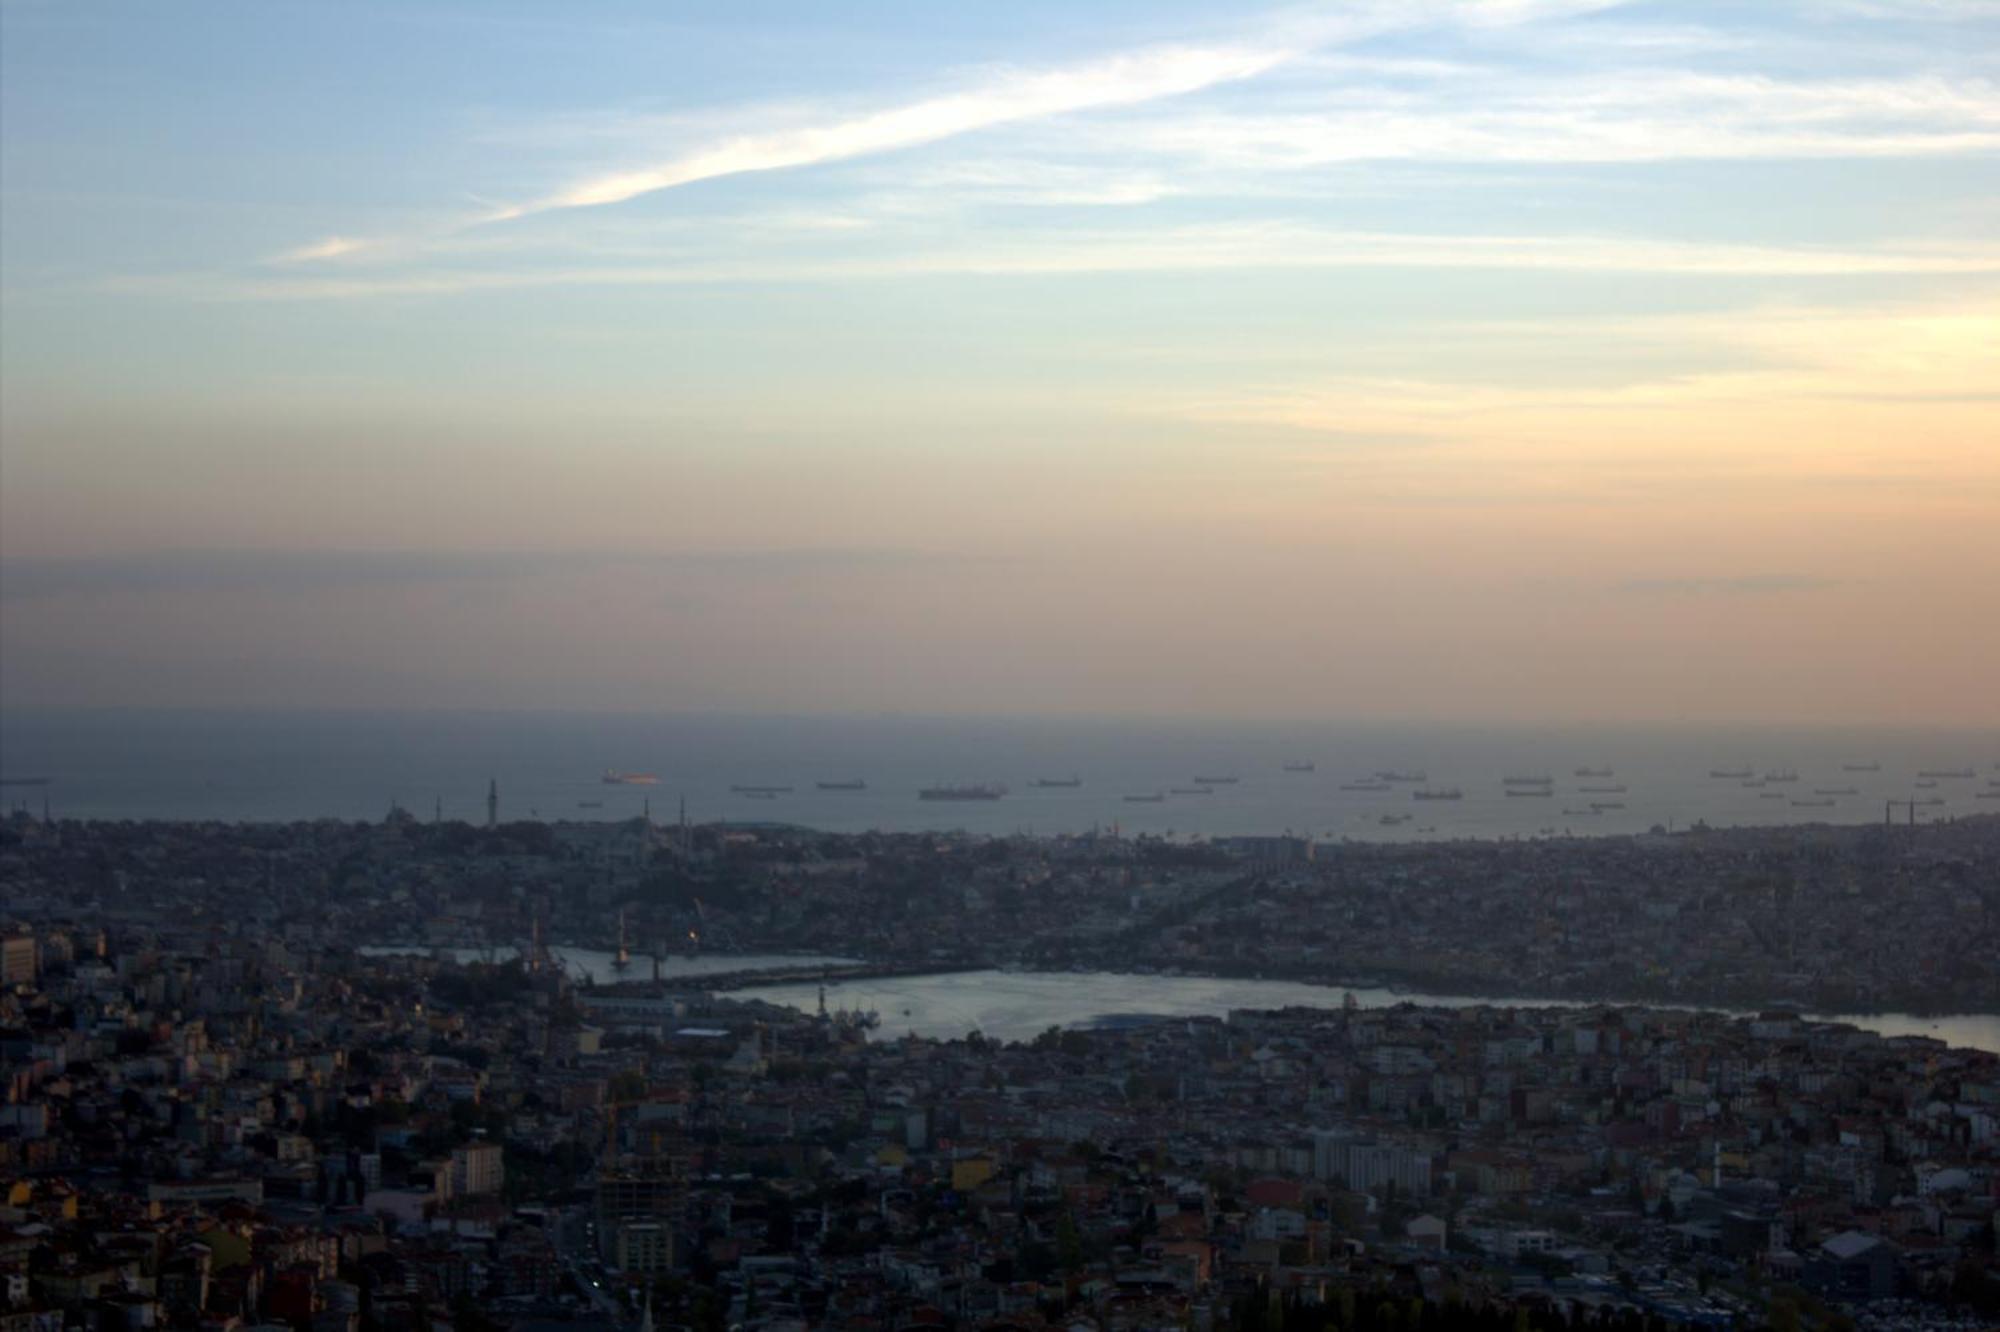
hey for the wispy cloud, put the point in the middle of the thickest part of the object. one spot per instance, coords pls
(1727, 585)
(305, 570)
(1009, 96)
(333, 247)
(1119, 81)
(1273, 245)
(1627, 115)
(998, 99)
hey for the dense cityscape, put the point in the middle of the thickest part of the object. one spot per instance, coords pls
(335, 1076)
(1063, 666)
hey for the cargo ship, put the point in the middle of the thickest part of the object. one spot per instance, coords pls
(1618, 789)
(760, 790)
(1737, 774)
(1153, 799)
(842, 786)
(612, 777)
(1214, 781)
(1192, 790)
(1861, 767)
(981, 791)
(1300, 767)
(1439, 793)
(1527, 781)
(1531, 790)
(1417, 775)
(1592, 772)
(1957, 774)
(1835, 791)
(1364, 786)
(1058, 782)
(1781, 775)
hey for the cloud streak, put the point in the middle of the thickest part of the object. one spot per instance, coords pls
(1123, 80)
(1219, 247)
(1728, 585)
(293, 571)
(1127, 79)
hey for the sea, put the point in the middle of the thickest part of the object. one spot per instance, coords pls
(1266, 777)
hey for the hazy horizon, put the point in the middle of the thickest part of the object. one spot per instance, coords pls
(1506, 362)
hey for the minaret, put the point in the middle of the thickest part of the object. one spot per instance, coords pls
(684, 824)
(437, 809)
(493, 803)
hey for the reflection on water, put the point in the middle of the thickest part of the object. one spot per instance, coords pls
(1018, 1005)
(600, 967)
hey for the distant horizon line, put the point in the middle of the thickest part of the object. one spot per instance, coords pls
(1119, 719)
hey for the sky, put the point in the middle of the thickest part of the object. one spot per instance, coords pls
(1501, 360)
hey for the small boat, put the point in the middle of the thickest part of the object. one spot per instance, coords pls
(1736, 773)
(1926, 784)
(1300, 767)
(1781, 775)
(1392, 820)
(1439, 793)
(1812, 804)
(612, 777)
(1602, 805)
(979, 792)
(590, 804)
(1364, 786)
(1192, 790)
(855, 785)
(1153, 799)
(1770, 795)
(1214, 781)
(1861, 767)
(1835, 791)
(1591, 772)
(1602, 790)
(1527, 781)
